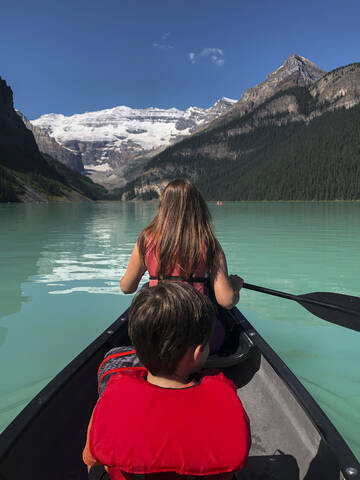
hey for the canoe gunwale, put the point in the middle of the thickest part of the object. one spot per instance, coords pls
(24, 419)
(349, 465)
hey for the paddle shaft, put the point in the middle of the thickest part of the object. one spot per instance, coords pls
(299, 298)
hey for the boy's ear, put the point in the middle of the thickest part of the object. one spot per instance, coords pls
(197, 352)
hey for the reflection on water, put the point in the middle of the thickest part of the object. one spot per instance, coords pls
(93, 257)
(61, 246)
(59, 288)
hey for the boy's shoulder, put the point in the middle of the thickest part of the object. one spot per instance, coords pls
(127, 378)
(118, 360)
(218, 379)
(213, 379)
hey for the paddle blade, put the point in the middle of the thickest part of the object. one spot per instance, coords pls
(342, 310)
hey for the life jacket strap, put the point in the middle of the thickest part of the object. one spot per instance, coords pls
(183, 279)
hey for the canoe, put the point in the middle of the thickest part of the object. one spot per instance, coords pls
(292, 438)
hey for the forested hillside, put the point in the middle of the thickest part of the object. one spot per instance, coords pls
(298, 161)
(56, 183)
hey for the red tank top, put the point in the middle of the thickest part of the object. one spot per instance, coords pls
(152, 263)
(140, 428)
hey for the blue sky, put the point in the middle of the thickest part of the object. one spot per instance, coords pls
(73, 56)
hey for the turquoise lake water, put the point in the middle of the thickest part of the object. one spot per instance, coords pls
(60, 267)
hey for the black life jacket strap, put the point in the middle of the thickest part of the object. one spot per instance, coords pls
(183, 279)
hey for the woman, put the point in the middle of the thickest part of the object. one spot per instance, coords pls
(179, 244)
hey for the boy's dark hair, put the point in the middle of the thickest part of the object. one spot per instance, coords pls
(166, 320)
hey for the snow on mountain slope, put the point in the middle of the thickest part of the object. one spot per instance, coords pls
(116, 124)
(112, 141)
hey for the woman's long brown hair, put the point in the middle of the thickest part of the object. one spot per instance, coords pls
(181, 231)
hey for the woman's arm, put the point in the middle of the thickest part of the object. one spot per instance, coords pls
(87, 456)
(226, 287)
(134, 272)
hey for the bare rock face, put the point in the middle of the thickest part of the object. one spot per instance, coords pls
(6, 98)
(307, 72)
(51, 147)
(339, 88)
(18, 149)
(336, 89)
(296, 71)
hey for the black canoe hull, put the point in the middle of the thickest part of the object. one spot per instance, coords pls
(292, 437)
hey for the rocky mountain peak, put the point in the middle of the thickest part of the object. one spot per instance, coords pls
(222, 105)
(6, 97)
(17, 144)
(307, 71)
(295, 71)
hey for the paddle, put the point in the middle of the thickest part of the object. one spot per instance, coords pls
(342, 310)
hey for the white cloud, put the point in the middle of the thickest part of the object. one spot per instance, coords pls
(163, 44)
(192, 56)
(208, 51)
(219, 61)
(216, 56)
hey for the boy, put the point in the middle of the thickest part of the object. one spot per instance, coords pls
(165, 420)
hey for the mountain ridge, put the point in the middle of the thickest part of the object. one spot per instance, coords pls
(229, 142)
(116, 143)
(295, 71)
(266, 138)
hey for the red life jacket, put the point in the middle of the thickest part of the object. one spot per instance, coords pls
(141, 428)
(152, 263)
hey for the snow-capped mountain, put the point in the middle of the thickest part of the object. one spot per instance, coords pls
(115, 140)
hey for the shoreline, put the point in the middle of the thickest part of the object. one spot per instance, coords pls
(67, 201)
